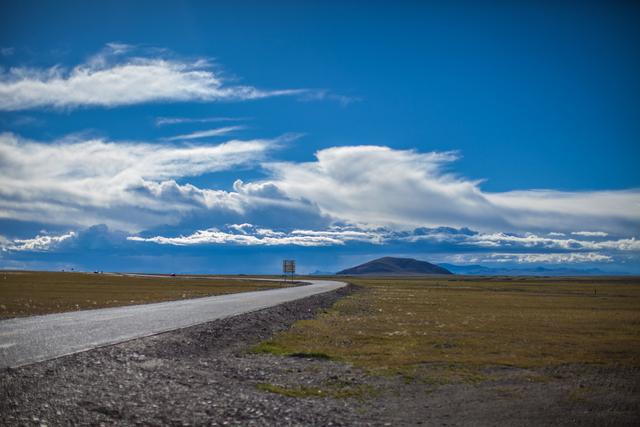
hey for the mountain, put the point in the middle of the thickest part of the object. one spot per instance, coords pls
(321, 273)
(389, 266)
(480, 270)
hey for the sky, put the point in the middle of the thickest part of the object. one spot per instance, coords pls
(223, 137)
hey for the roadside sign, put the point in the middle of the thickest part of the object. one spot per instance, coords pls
(289, 267)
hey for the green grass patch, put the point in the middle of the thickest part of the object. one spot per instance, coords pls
(268, 347)
(312, 355)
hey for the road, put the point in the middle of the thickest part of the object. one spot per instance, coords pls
(38, 338)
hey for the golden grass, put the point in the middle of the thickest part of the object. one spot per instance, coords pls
(25, 293)
(400, 325)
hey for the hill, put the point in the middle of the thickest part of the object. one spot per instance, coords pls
(389, 266)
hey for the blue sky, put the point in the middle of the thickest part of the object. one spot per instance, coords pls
(222, 137)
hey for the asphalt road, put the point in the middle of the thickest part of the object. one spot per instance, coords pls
(37, 338)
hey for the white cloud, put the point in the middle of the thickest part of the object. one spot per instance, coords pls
(528, 258)
(127, 185)
(206, 133)
(385, 195)
(502, 240)
(39, 243)
(265, 237)
(380, 186)
(111, 78)
(548, 258)
(631, 244)
(615, 211)
(162, 121)
(249, 235)
(323, 94)
(590, 233)
(459, 244)
(243, 228)
(119, 48)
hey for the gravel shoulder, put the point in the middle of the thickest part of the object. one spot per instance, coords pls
(206, 375)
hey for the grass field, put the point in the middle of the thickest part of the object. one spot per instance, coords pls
(462, 324)
(25, 293)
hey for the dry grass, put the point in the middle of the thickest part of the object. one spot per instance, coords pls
(403, 325)
(25, 293)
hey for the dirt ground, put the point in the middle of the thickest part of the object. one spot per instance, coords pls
(208, 375)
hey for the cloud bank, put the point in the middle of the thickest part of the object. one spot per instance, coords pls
(443, 237)
(250, 235)
(362, 195)
(127, 185)
(380, 186)
(80, 180)
(444, 244)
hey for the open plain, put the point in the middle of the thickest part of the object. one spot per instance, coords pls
(385, 351)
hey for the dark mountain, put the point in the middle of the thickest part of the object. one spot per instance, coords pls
(479, 270)
(389, 266)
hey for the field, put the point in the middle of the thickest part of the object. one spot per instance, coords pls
(388, 351)
(463, 325)
(25, 293)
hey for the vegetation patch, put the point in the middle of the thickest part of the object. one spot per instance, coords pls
(453, 374)
(444, 330)
(313, 355)
(268, 347)
(437, 373)
(26, 293)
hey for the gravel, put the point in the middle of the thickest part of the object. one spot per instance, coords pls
(204, 375)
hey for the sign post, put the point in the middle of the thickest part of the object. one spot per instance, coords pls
(288, 266)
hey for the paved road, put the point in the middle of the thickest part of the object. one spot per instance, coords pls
(37, 338)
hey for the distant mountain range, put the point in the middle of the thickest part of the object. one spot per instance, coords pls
(481, 270)
(389, 266)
